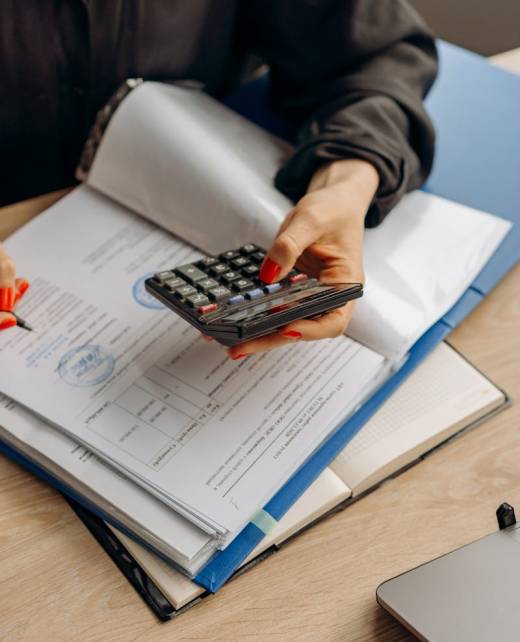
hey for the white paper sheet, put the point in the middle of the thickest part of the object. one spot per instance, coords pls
(193, 166)
(419, 262)
(123, 499)
(323, 495)
(212, 437)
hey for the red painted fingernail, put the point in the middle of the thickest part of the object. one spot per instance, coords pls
(7, 323)
(291, 334)
(269, 270)
(23, 287)
(238, 356)
(6, 298)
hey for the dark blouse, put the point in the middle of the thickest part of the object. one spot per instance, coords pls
(351, 73)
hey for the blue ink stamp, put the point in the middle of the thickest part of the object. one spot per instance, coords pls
(87, 365)
(142, 297)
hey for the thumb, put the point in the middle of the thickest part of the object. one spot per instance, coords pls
(292, 240)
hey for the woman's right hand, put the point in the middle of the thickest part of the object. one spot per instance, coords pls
(12, 290)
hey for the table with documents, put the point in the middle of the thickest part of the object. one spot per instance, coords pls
(322, 586)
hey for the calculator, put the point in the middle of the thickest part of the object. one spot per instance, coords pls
(224, 298)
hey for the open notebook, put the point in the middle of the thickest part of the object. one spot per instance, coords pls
(442, 397)
(189, 445)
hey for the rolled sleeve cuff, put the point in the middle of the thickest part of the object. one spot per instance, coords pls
(374, 129)
(293, 179)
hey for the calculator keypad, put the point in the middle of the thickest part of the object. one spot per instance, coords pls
(230, 279)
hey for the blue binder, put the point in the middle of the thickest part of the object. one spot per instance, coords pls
(475, 110)
(473, 107)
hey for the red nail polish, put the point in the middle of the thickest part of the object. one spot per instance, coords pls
(239, 356)
(7, 323)
(269, 270)
(23, 287)
(6, 298)
(291, 334)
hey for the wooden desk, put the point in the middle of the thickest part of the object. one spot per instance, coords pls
(56, 583)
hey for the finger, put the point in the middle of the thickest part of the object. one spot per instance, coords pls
(6, 321)
(346, 270)
(206, 338)
(262, 344)
(329, 325)
(21, 287)
(7, 283)
(301, 231)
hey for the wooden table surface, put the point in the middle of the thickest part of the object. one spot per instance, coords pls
(56, 583)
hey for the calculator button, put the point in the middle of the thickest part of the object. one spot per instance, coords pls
(185, 291)
(235, 300)
(255, 294)
(161, 277)
(240, 262)
(218, 269)
(229, 255)
(207, 262)
(231, 276)
(273, 287)
(249, 248)
(208, 307)
(243, 284)
(258, 256)
(219, 293)
(207, 284)
(191, 273)
(298, 278)
(250, 270)
(174, 283)
(198, 299)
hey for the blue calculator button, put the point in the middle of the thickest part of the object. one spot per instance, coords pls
(255, 294)
(236, 299)
(274, 287)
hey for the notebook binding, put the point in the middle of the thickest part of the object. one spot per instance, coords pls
(101, 123)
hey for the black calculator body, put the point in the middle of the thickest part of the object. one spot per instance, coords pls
(224, 298)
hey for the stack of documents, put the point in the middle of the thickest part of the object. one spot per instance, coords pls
(443, 396)
(171, 439)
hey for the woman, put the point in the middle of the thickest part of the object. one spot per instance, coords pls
(350, 73)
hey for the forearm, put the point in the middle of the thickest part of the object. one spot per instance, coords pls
(354, 180)
(351, 171)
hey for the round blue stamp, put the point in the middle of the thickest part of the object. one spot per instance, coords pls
(142, 297)
(88, 365)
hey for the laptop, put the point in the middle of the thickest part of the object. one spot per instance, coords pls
(471, 593)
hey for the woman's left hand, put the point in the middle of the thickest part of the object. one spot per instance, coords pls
(323, 236)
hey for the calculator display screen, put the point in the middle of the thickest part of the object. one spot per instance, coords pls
(286, 301)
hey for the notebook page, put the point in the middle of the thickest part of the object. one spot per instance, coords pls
(444, 394)
(183, 160)
(211, 437)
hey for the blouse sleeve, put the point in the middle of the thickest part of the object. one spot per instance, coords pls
(353, 74)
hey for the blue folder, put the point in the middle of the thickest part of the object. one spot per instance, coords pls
(474, 109)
